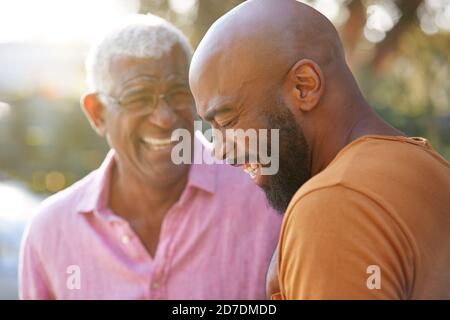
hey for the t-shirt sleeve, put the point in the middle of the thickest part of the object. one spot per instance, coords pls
(337, 243)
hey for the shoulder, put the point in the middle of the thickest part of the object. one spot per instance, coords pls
(370, 163)
(330, 204)
(341, 216)
(59, 209)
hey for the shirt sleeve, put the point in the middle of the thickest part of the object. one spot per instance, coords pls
(337, 243)
(32, 283)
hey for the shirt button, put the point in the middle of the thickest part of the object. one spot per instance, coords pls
(125, 239)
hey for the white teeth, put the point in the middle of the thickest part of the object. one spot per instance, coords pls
(157, 141)
(252, 170)
(157, 144)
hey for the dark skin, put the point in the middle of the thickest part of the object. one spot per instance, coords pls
(251, 53)
(144, 182)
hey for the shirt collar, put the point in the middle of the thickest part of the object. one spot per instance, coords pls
(95, 194)
(97, 187)
(202, 175)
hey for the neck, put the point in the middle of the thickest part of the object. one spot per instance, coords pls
(357, 119)
(131, 197)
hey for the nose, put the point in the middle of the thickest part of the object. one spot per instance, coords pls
(163, 116)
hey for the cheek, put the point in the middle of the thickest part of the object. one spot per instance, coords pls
(256, 118)
(120, 130)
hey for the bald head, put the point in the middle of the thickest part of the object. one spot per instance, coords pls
(262, 39)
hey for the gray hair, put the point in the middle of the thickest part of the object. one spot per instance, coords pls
(137, 35)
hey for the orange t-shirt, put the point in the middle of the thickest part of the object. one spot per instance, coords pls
(375, 224)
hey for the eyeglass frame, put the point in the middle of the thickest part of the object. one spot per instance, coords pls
(145, 111)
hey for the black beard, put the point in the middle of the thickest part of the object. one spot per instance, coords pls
(294, 167)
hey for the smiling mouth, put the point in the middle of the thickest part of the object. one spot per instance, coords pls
(252, 169)
(157, 144)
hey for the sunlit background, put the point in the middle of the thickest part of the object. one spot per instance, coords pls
(399, 50)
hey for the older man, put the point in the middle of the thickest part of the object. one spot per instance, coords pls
(141, 227)
(367, 208)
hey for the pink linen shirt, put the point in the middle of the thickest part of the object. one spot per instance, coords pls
(216, 242)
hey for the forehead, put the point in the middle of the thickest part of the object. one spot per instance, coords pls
(125, 68)
(214, 81)
(226, 83)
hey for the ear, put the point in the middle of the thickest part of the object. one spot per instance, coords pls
(95, 112)
(306, 83)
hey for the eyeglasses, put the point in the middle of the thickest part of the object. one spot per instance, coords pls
(177, 99)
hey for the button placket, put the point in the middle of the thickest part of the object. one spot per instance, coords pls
(156, 286)
(161, 259)
(128, 240)
(156, 279)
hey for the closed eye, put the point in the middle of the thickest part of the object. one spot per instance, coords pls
(227, 124)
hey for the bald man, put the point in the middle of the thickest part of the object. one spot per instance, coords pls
(367, 209)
